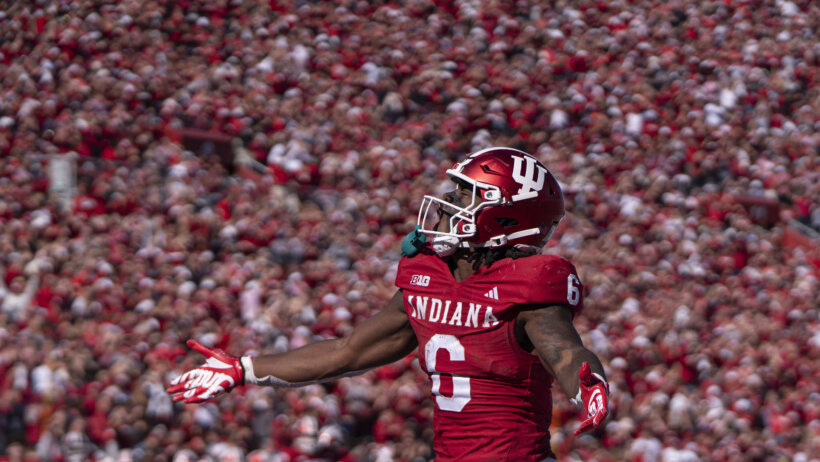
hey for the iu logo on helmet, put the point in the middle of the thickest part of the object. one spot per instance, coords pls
(531, 179)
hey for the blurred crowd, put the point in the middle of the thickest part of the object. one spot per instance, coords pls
(654, 115)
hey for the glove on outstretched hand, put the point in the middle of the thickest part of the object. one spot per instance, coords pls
(593, 396)
(220, 374)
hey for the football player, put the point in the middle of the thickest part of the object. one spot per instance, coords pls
(490, 315)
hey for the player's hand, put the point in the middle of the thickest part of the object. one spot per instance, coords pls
(593, 397)
(220, 374)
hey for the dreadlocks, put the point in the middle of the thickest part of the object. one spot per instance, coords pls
(488, 256)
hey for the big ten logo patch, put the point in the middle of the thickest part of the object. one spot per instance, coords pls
(420, 280)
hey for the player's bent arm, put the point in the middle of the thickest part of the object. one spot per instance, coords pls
(578, 371)
(381, 339)
(558, 345)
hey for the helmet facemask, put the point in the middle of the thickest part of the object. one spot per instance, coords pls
(462, 217)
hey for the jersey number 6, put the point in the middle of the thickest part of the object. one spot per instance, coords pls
(573, 289)
(461, 385)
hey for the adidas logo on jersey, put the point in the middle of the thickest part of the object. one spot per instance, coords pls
(493, 294)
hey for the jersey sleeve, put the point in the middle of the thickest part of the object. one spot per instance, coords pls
(402, 281)
(557, 283)
(414, 272)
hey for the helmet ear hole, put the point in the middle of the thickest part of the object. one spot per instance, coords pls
(492, 195)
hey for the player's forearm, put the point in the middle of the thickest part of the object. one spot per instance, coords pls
(380, 339)
(559, 346)
(567, 363)
(309, 364)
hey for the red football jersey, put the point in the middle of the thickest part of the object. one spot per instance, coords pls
(493, 400)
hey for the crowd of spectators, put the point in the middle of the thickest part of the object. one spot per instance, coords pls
(654, 115)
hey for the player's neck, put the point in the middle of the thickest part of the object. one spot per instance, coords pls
(460, 266)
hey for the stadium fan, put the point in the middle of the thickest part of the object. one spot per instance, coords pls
(491, 317)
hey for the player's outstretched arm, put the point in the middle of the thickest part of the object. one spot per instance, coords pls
(577, 370)
(381, 339)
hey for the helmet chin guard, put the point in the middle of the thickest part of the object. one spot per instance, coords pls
(444, 246)
(515, 201)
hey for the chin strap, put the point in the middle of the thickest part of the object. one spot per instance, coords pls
(444, 246)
